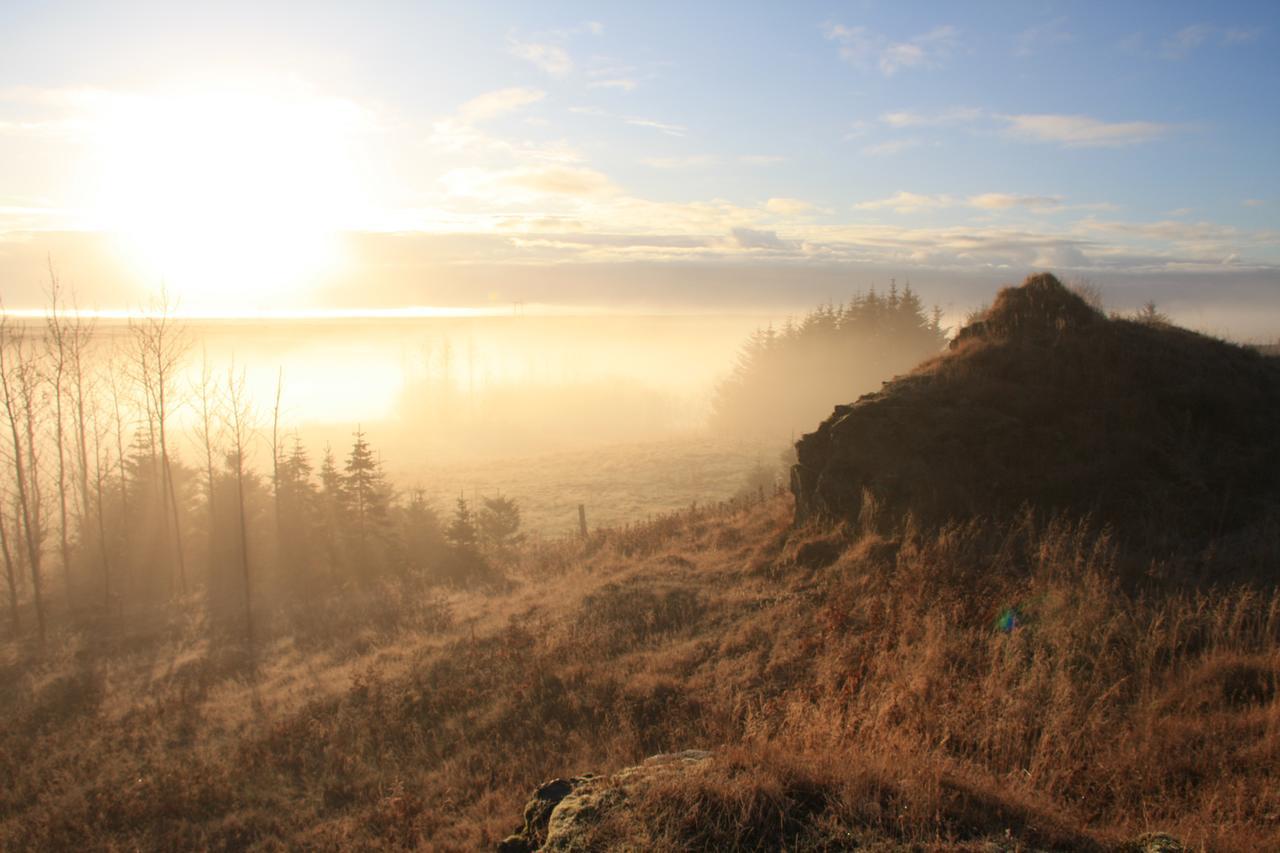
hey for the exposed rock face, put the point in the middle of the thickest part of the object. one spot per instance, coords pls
(1047, 402)
(560, 811)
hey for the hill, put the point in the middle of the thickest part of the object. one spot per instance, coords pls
(1169, 436)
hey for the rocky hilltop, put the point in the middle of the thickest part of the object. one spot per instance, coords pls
(1171, 437)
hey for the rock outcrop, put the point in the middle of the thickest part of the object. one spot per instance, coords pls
(1044, 401)
(617, 812)
(561, 810)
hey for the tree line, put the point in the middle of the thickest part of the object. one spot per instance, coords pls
(103, 489)
(785, 381)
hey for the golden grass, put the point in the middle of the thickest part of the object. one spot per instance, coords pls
(856, 690)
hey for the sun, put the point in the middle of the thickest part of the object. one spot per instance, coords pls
(231, 198)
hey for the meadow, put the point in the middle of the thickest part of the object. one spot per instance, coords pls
(857, 688)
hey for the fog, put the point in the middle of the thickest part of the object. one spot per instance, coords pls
(610, 410)
(466, 387)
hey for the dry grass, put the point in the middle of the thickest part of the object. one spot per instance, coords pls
(854, 686)
(619, 483)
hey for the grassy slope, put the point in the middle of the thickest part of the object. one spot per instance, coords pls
(853, 686)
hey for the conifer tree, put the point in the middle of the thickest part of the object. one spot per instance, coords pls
(787, 381)
(462, 533)
(366, 489)
(499, 525)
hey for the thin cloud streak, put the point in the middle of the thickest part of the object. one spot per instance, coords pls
(551, 58)
(1080, 131)
(865, 48)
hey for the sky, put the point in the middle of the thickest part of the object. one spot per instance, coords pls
(260, 156)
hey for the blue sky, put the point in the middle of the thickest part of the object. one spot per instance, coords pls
(1100, 140)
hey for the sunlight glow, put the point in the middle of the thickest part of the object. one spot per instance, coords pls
(231, 196)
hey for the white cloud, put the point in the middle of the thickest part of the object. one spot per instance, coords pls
(904, 202)
(460, 132)
(626, 84)
(788, 206)
(636, 121)
(1187, 40)
(1078, 131)
(907, 202)
(561, 180)
(520, 184)
(1040, 36)
(604, 73)
(493, 104)
(751, 238)
(1240, 35)
(761, 159)
(551, 58)
(865, 48)
(679, 162)
(955, 115)
(664, 127)
(890, 147)
(1006, 201)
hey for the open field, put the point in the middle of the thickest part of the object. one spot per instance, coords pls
(619, 484)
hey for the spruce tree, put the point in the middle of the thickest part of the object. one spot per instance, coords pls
(366, 489)
(499, 525)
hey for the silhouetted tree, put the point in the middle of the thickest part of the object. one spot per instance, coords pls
(298, 511)
(19, 381)
(160, 344)
(333, 503)
(464, 563)
(462, 534)
(10, 572)
(499, 526)
(1151, 315)
(421, 533)
(787, 381)
(368, 496)
(238, 414)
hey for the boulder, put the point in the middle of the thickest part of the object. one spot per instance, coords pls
(562, 809)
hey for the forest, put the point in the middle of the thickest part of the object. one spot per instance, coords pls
(785, 380)
(105, 509)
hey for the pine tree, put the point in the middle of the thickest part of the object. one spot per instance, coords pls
(462, 533)
(298, 502)
(499, 525)
(331, 480)
(421, 532)
(366, 489)
(788, 381)
(333, 502)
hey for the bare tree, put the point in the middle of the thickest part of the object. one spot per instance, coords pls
(206, 394)
(79, 336)
(10, 572)
(275, 460)
(239, 420)
(114, 374)
(160, 344)
(101, 465)
(55, 341)
(18, 381)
